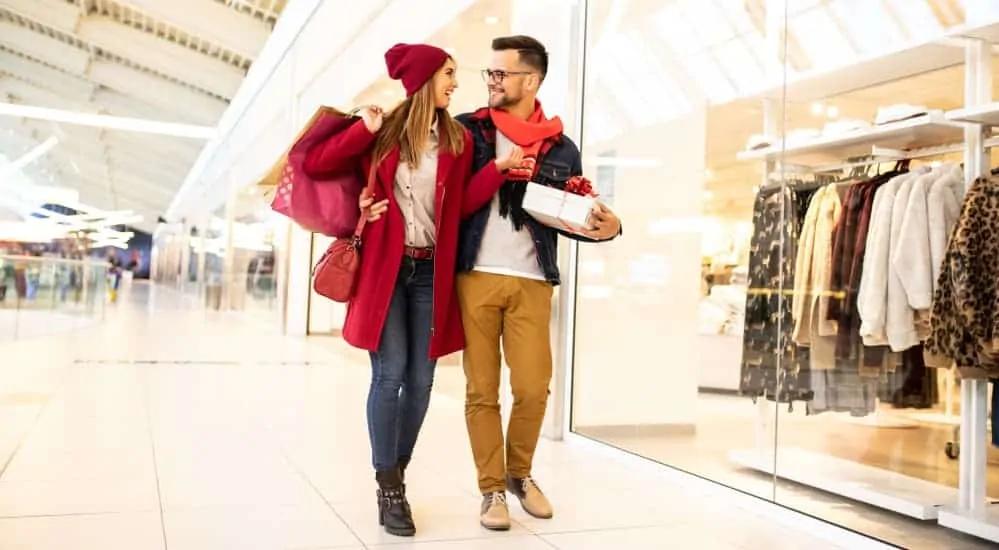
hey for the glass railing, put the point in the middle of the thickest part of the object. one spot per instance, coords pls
(41, 296)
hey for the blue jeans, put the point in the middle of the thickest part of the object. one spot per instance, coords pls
(402, 374)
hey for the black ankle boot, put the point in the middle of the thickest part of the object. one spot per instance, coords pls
(403, 463)
(394, 513)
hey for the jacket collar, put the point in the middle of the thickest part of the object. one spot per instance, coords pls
(482, 114)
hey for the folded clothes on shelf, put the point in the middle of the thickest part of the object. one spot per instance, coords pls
(899, 112)
(844, 126)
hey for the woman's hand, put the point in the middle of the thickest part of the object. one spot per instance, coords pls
(373, 116)
(373, 210)
(512, 159)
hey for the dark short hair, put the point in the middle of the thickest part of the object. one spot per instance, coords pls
(532, 53)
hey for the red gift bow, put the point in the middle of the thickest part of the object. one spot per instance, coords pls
(578, 185)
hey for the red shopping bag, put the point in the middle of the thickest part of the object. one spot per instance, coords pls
(327, 204)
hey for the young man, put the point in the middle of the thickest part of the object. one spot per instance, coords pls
(508, 267)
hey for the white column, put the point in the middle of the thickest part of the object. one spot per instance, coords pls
(296, 321)
(974, 393)
(229, 257)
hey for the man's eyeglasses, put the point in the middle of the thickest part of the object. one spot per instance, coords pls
(490, 75)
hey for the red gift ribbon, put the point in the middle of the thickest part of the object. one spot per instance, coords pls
(578, 185)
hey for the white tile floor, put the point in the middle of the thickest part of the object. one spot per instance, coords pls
(168, 427)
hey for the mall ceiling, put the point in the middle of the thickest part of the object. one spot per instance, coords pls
(178, 61)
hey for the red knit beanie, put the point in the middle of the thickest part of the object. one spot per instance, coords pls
(414, 64)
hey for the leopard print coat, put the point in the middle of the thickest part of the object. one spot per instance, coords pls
(965, 316)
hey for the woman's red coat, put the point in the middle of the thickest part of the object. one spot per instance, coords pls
(459, 194)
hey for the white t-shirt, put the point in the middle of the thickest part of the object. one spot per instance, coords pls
(504, 250)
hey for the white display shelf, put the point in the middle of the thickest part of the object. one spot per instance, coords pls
(898, 493)
(988, 33)
(987, 115)
(925, 131)
(984, 525)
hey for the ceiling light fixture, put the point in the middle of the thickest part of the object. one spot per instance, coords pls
(28, 158)
(109, 122)
(492, 20)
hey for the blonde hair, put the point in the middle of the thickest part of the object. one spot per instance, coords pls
(408, 126)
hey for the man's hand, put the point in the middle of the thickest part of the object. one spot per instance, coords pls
(373, 210)
(512, 159)
(606, 224)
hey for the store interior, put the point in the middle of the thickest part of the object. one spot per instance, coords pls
(877, 451)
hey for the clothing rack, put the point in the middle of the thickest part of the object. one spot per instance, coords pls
(965, 509)
(849, 164)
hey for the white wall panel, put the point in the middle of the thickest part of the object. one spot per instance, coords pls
(363, 61)
(317, 47)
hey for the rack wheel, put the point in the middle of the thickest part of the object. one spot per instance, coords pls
(952, 450)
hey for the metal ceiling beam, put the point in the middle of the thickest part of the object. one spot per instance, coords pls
(170, 59)
(145, 49)
(57, 15)
(101, 168)
(45, 77)
(44, 48)
(157, 91)
(26, 93)
(142, 152)
(122, 104)
(170, 153)
(215, 23)
(134, 82)
(74, 87)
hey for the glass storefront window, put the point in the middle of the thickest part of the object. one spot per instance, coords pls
(659, 312)
(728, 332)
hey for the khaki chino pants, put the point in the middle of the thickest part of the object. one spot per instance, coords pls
(515, 311)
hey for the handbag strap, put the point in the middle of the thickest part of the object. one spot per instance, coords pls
(368, 191)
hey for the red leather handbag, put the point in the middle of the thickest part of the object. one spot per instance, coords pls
(335, 276)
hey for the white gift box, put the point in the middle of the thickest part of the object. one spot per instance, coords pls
(559, 209)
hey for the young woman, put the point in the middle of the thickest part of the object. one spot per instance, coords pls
(405, 309)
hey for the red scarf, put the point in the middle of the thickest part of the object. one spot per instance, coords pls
(529, 135)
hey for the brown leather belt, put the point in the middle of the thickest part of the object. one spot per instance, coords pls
(419, 253)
